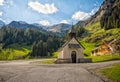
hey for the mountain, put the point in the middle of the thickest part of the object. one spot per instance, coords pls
(105, 7)
(22, 24)
(1, 23)
(103, 25)
(37, 25)
(40, 26)
(59, 27)
(108, 15)
(53, 30)
(18, 24)
(111, 18)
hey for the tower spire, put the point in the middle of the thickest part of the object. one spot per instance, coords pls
(72, 33)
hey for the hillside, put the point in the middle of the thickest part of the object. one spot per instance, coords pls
(103, 25)
(97, 34)
(111, 18)
(105, 7)
(15, 51)
(108, 15)
(93, 35)
(43, 41)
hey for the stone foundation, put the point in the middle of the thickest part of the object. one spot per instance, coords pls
(59, 61)
(80, 60)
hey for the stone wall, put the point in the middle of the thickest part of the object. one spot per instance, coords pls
(80, 60)
(60, 61)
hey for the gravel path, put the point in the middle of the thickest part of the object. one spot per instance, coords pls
(25, 71)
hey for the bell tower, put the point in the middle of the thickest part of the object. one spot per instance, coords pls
(71, 33)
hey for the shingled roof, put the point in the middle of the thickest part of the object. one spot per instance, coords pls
(74, 46)
(68, 42)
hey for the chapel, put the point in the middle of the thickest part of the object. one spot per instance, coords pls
(72, 50)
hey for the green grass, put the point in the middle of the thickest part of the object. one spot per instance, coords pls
(14, 52)
(55, 54)
(105, 58)
(88, 47)
(112, 72)
(94, 27)
(95, 31)
(49, 61)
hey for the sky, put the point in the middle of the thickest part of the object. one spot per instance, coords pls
(47, 12)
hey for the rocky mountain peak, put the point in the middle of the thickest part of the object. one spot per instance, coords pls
(105, 7)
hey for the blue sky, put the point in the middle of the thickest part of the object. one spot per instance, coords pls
(47, 12)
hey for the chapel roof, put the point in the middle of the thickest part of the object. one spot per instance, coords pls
(73, 33)
(76, 46)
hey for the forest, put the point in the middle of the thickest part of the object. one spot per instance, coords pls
(44, 43)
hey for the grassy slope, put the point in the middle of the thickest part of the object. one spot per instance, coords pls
(15, 51)
(95, 31)
(112, 73)
(88, 47)
(105, 58)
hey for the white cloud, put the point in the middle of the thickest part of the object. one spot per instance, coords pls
(64, 21)
(44, 23)
(43, 8)
(1, 2)
(80, 15)
(1, 13)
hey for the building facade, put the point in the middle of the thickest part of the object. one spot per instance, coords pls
(107, 47)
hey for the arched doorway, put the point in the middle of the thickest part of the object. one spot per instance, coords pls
(73, 56)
